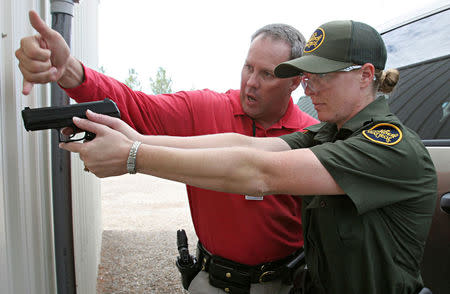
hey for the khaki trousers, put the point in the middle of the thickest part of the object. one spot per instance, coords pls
(200, 285)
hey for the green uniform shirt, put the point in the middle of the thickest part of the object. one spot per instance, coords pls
(370, 240)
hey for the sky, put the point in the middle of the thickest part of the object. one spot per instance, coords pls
(203, 43)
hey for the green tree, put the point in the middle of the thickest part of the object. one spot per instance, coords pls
(162, 84)
(102, 69)
(132, 81)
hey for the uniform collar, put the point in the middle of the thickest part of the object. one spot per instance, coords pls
(288, 121)
(378, 109)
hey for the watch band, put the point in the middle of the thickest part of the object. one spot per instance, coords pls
(131, 161)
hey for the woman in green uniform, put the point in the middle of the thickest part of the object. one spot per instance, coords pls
(367, 181)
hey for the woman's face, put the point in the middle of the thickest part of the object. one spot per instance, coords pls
(336, 96)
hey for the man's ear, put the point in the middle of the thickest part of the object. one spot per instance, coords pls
(295, 83)
(367, 75)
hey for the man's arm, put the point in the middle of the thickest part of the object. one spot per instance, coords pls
(74, 74)
(46, 58)
(242, 170)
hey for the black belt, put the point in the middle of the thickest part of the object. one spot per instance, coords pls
(235, 277)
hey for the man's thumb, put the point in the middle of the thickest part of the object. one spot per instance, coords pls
(38, 24)
(27, 86)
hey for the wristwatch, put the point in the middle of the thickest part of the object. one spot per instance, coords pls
(131, 161)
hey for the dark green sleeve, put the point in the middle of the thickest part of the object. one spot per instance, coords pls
(299, 140)
(375, 175)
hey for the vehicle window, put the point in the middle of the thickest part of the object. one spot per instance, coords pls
(420, 50)
(417, 41)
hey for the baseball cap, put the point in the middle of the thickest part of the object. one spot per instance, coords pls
(336, 45)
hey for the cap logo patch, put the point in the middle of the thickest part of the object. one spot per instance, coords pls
(384, 133)
(315, 41)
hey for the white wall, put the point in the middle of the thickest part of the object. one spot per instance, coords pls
(26, 200)
(26, 225)
(4, 269)
(86, 187)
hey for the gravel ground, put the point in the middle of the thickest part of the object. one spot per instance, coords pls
(141, 215)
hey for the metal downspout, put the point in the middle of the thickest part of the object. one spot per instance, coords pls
(62, 13)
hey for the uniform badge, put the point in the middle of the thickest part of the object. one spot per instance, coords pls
(384, 133)
(315, 41)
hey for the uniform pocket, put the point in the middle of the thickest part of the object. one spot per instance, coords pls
(349, 224)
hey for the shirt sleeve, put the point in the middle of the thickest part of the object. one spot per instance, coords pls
(165, 114)
(298, 140)
(375, 175)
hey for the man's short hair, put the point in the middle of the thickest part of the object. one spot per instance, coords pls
(287, 33)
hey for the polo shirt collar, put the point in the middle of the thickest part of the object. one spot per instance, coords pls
(288, 121)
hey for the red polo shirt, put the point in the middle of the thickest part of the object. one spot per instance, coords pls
(228, 225)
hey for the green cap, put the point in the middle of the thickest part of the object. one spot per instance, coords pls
(336, 45)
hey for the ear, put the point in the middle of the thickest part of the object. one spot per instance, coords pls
(367, 75)
(295, 82)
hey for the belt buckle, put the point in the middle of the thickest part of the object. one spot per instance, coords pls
(265, 274)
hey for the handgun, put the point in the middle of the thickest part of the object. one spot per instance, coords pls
(182, 243)
(58, 117)
(186, 263)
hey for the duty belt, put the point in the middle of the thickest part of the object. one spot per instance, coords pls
(236, 278)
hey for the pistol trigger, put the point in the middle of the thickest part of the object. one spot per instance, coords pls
(61, 137)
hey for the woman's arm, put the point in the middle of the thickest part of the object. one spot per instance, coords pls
(206, 141)
(240, 170)
(266, 166)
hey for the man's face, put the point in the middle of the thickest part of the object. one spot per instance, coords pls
(265, 97)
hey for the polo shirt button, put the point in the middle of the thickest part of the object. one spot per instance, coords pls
(228, 275)
(323, 204)
(227, 290)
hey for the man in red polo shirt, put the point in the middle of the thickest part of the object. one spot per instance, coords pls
(242, 231)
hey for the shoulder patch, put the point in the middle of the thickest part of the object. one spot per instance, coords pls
(384, 133)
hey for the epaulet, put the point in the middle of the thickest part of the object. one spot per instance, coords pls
(315, 128)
